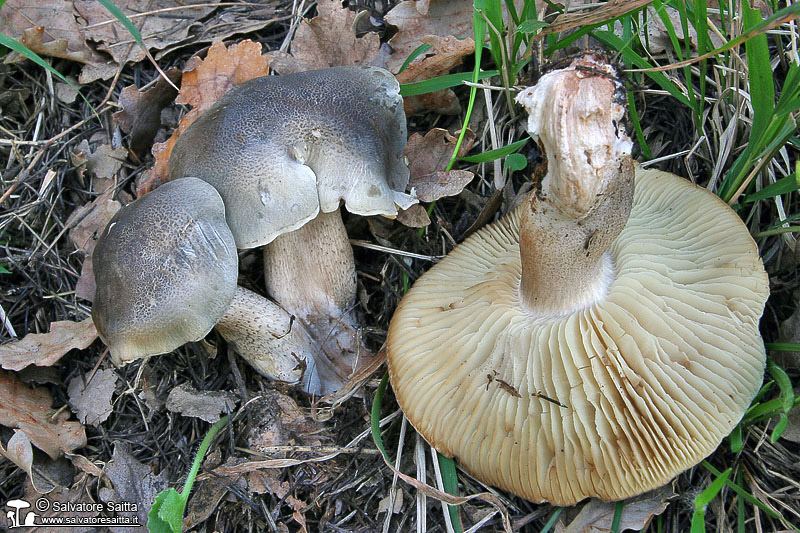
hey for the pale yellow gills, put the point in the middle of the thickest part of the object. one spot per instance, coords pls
(607, 401)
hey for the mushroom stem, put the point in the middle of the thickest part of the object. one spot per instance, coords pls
(565, 263)
(275, 344)
(585, 199)
(311, 273)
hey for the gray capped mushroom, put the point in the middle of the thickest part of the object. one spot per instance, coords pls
(284, 152)
(599, 339)
(166, 272)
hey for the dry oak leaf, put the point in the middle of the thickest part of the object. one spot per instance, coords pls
(132, 482)
(447, 52)
(281, 422)
(45, 349)
(162, 26)
(49, 28)
(67, 498)
(230, 19)
(415, 216)
(19, 451)
(205, 405)
(428, 156)
(329, 39)
(140, 117)
(440, 184)
(90, 396)
(204, 82)
(596, 516)
(29, 410)
(431, 152)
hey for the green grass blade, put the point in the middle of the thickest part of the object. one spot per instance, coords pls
(421, 49)
(450, 483)
(783, 346)
(443, 82)
(703, 499)
(493, 9)
(741, 517)
(783, 186)
(497, 153)
(615, 522)
(760, 81)
(201, 453)
(738, 489)
(612, 41)
(23, 50)
(375, 417)
(552, 520)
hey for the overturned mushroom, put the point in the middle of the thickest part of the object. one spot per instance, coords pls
(598, 340)
(166, 271)
(284, 152)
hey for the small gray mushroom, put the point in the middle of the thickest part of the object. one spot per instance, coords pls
(166, 268)
(284, 152)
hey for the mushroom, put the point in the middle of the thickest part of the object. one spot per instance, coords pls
(597, 341)
(283, 152)
(166, 269)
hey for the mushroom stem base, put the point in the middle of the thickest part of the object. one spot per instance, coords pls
(277, 345)
(311, 273)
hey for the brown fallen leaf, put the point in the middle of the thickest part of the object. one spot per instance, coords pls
(789, 331)
(49, 28)
(268, 481)
(440, 184)
(86, 223)
(596, 516)
(162, 26)
(206, 496)
(421, 18)
(607, 11)
(792, 431)
(280, 422)
(228, 20)
(140, 117)
(44, 473)
(102, 163)
(45, 349)
(204, 82)
(91, 400)
(432, 152)
(428, 156)
(447, 52)
(329, 39)
(415, 216)
(29, 410)
(132, 482)
(205, 405)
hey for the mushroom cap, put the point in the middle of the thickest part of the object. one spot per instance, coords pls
(281, 148)
(608, 401)
(166, 270)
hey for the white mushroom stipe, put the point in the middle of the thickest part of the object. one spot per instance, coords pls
(610, 394)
